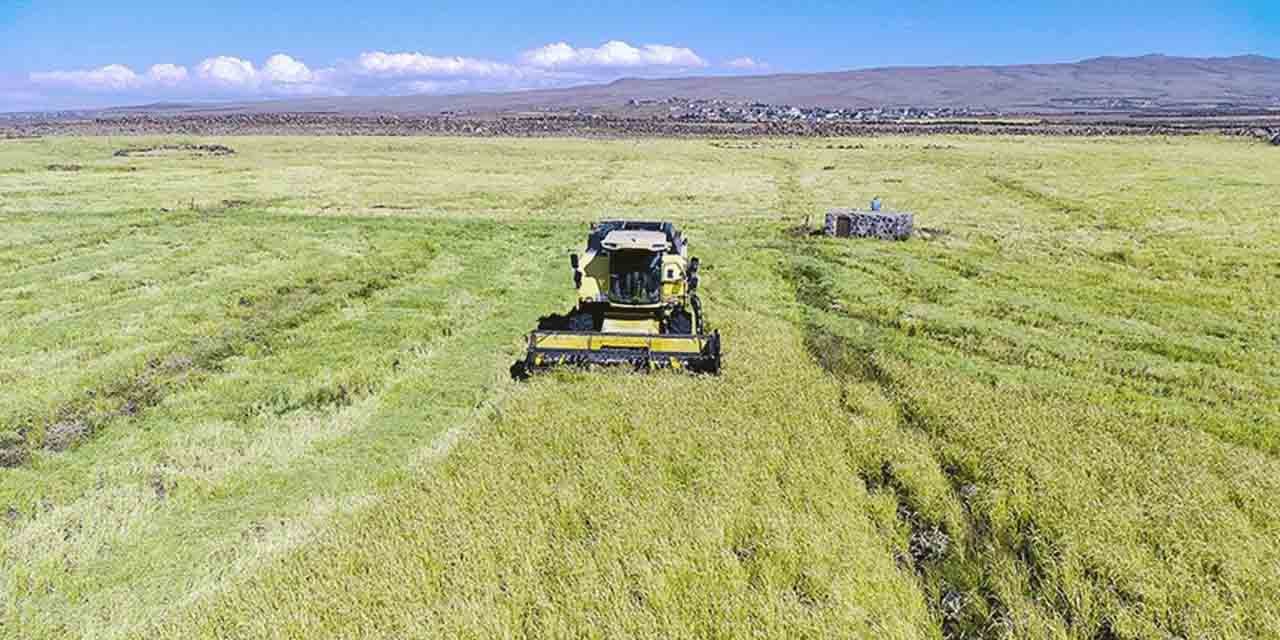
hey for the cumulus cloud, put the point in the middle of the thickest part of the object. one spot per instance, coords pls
(113, 77)
(228, 72)
(280, 75)
(746, 64)
(169, 75)
(371, 73)
(286, 70)
(612, 54)
(394, 65)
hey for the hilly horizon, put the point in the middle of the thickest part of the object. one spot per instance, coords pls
(1151, 82)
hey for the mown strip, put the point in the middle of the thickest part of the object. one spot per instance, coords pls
(252, 456)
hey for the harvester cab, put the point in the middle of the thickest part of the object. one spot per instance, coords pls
(637, 305)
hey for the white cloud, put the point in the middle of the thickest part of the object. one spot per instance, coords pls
(221, 75)
(550, 55)
(113, 77)
(371, 73)
(433, 87)
(745, 63)
(612, 54)
(168, 75)
(400, 65)
(228, 72)
(305, 89)
(286, 70)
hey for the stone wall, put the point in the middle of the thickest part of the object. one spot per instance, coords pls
(869, 224)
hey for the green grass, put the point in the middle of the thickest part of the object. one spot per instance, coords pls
(266, 395)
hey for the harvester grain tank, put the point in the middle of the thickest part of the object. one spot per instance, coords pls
(637, 305)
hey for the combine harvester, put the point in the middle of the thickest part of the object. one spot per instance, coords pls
(637, 306)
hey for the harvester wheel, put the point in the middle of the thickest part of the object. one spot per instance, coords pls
(696, 304)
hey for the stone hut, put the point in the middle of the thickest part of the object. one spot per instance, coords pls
(857, 223)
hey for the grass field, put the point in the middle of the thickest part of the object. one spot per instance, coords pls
(266, 394)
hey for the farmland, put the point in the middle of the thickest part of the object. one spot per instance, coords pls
(265, 393)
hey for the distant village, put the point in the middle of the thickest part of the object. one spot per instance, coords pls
(729, 111)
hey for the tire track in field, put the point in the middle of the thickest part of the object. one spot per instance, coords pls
(1044, 200)
(956, 559)
(989, 573)
(792, 199)
(937, 544)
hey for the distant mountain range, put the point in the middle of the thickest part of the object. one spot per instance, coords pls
(1154, 83)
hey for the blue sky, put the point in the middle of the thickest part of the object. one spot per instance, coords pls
(67, 53)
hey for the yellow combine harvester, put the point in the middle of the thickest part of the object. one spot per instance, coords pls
(637, 305)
